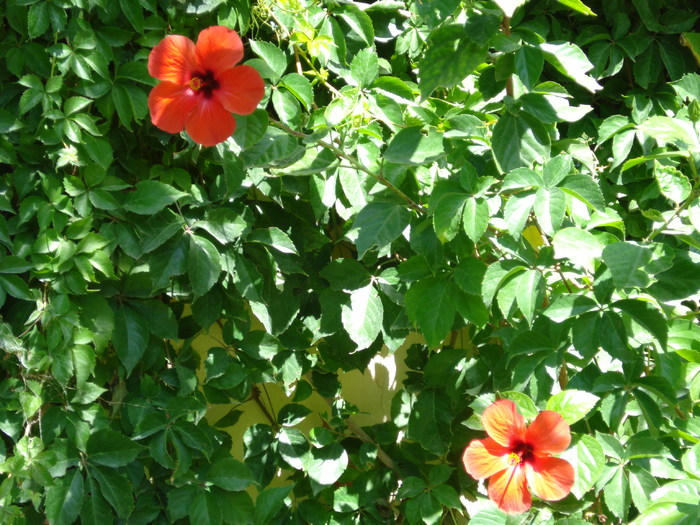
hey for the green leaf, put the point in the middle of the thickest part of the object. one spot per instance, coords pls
(569, 60)
(229, 474)
(325, 465)
(475, 219)
(642, 485)
(430, 306)
(134, 13)
(446, 204)
(203, 265)
(667, 513)
(450, 56)
(647, 315)
(286, 106)
(292, 414)
(95, 510)
(273, 237)
(115, 488)
(588, 459)
(672, 130)
(300, 87)
(359, 22)
(64, 499)
(435, 11)
(38, 19)
(151, 196)
(379, 224)
(293, 447)
(346, 274)
(110, 448)
(530, 289)
(16, 287)
(517, 211)
(573, 405)
(269, 502)
(584, 189)
(411, 146)
(549, 207)
(577, 5)
(363, 318)
(430, 421)
(567, 306)
(672, 183)
(519, 141)
(130, 337)
(99, 150)
(580, 247)
(205, 508)
(272, 55)
(250, 129)
(529, 62)
(617, 494)
(629, 263)
(647, 66)
(611, 126)
(364, 67)
(167, 261)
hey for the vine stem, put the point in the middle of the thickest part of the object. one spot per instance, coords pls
(506, 31)
(362, 436)
(356, 164)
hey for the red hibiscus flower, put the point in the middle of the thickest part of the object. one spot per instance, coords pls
(201, 85)
(514, 457)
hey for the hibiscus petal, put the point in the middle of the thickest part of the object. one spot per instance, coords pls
(484, 457)
(503, 423)
(550, 478)
(170, 106)
(508, 489)
(548, 433)
(218, 48)
(209, 123)
(240, 89)
(173, 59)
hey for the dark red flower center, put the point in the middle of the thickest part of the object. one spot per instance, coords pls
(204, 83)
(522, 451)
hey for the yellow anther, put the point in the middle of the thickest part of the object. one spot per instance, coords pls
(514, 459)
(196, 83)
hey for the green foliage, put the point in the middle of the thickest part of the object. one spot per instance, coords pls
(502, 196)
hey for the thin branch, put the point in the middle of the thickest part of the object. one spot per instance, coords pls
(356, 164)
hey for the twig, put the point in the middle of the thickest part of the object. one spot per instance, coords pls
(355, 164)
(255, 396)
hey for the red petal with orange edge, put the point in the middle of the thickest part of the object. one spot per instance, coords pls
(218, 49)
(484, 457)
(240, 89)
(173, 60)
(210, 123)
(508, 489)
(170, 106)
(503, 423)
(548, 433)
(550, 478)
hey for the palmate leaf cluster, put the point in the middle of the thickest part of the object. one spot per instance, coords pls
(509, 206)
